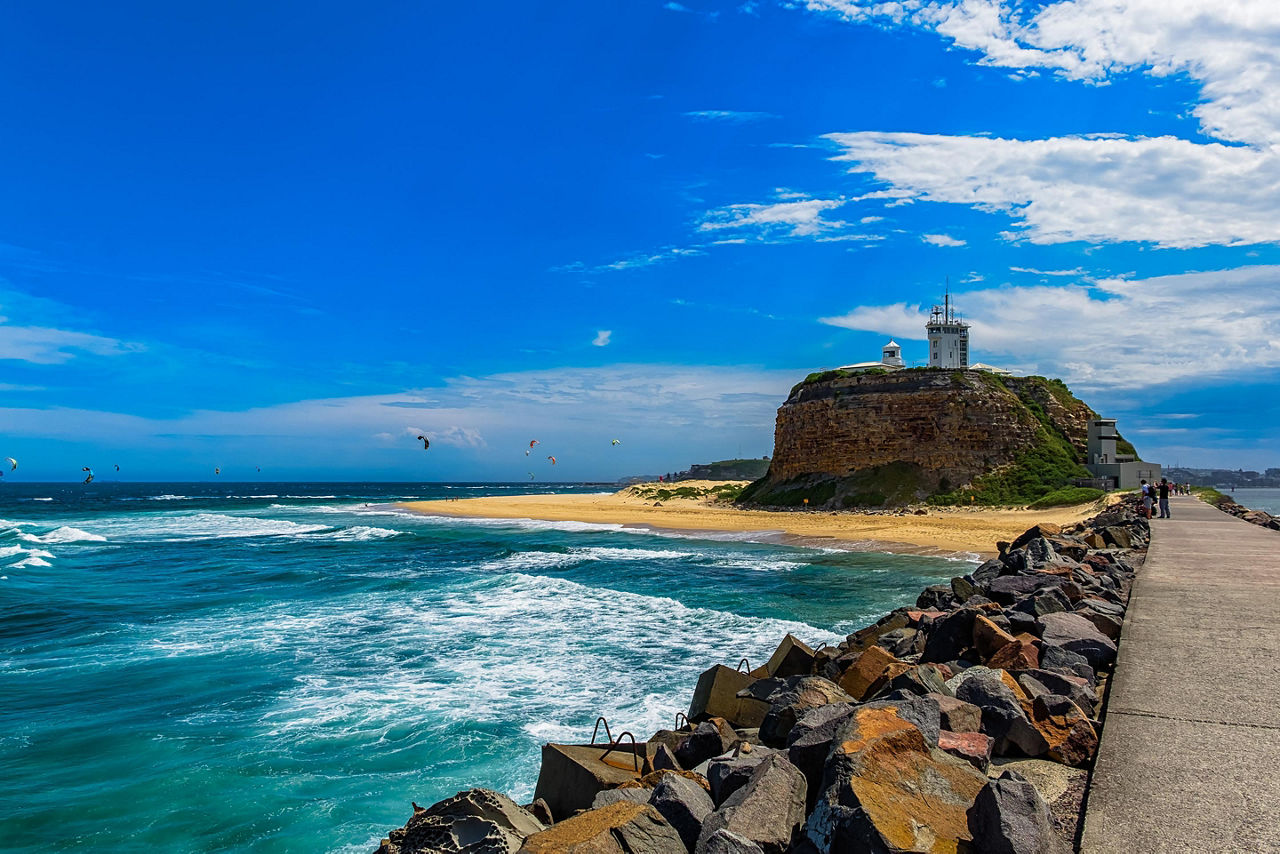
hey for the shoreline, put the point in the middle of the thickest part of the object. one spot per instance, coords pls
(973, 719)
(938, 532)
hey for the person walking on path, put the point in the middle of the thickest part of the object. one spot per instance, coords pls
(1164, 498)
(1147, 499)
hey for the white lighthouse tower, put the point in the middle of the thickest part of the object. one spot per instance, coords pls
(948, 337)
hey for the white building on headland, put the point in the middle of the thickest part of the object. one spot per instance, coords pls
(890, 360)
(1124, 471)
(948, 337)
(948, 346)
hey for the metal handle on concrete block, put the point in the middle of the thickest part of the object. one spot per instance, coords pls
(594, 732)
(635, 752)
(680, 715)
(740, 663)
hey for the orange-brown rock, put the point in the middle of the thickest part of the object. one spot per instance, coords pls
(616, 829)
(888, 791)
(874, 665)
(1072, 739)
(988, 638)
(651, 781)
(1018, 655)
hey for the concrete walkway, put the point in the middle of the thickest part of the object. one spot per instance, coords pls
(1190, 753)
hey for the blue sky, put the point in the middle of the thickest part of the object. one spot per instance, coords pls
(295, 236)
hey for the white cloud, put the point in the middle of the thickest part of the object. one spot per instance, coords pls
(1077, 271)
(671, 416)
(794, 218)
(633, 262)
(1109, 187)
(729, 115)
(898, 320)
(1229, 46)
(942, 240)
(602, 338)
(44, 346)
(1119, 332)
(458, 437)
(1166, 191)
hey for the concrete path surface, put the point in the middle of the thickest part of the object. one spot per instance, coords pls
(1190, 753)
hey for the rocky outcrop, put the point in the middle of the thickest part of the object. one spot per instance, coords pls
(873, 440)
(1257, 517)
(898, 739)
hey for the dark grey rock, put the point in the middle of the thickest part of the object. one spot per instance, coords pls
(1040, 682)
(1010, 817)
(950, 637)
(706, 741)
(477, 821)
(727, 774)
(612, 796)
(810, 742)
(1003, 717)
(727, 842)
(1068, 663)
(1008, 589)
(1040, 552)
(491, 806)
(648, 833)
(1076, 634)
(921, 679)
(684, 804)
(801, 694)
(768, 810)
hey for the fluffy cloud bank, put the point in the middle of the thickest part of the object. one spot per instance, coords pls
(1166, 191)
(1229, 46)
(1115, 332)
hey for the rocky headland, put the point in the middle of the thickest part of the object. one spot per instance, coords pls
(965, 723)
(876, 439)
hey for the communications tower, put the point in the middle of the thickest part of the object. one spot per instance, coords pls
(948, 337)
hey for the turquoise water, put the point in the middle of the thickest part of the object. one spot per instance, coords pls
(1257, 499)
(283, 667)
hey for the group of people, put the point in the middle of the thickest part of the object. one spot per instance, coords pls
(1156, 496)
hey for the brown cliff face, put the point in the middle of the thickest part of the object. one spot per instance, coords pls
(887, 439)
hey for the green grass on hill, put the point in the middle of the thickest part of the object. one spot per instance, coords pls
(1066, 497)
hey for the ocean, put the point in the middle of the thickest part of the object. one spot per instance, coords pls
(1257, 499)
(282, 667)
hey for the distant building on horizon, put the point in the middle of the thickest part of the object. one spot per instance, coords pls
(948, 338)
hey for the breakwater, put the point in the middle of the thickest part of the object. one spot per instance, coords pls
(937, 728)
(1227, 504)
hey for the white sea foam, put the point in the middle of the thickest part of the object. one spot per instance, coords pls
(357, 533)
(63, 535)
(539, 657)
(42, 499)
(180, 526)
(30, 561)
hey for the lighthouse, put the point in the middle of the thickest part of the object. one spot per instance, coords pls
(948, 337)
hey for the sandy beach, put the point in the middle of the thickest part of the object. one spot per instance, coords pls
(940, 531)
